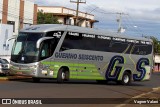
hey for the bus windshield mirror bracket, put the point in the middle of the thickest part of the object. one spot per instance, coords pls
(41, 40)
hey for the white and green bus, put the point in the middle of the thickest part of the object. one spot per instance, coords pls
(65, 52)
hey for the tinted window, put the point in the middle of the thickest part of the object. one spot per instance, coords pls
(3, 61)
(104, 43)
(47, 48)
(72, 42)
(78, 41)
(140, 49)
(88, 42)
(130, 46)
(118, 47)
(24, 49)
(26, 42)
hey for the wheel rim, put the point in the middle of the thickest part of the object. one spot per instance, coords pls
(63, 75)
(126, 78)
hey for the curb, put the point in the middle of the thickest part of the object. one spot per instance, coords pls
(3, 78)
(8, 78)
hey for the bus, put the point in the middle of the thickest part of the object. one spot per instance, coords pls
(63, 52)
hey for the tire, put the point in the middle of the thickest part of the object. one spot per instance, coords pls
(36, 80)
(126, 79)
(61, 75)
(67, 76)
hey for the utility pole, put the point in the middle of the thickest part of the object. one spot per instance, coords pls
(119, 20)
(77, 10)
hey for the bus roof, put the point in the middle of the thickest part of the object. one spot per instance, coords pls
(59, 27)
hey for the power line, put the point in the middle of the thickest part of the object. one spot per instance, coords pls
(77, 10)
(120, 22)
(132, 25)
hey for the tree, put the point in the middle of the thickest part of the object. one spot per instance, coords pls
(156, 45)
(46, 18)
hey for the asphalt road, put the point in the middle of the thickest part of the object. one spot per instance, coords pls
(75, 89)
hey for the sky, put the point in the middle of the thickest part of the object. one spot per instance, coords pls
(141, 17)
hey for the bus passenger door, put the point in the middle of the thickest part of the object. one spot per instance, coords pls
(46, 51)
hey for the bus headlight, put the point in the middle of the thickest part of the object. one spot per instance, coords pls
(33, 69)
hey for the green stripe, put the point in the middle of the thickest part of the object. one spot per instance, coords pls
(70, 64)
(77, 70)
(44, 62)
(88, 73)
(73, 73)
(87, 65)
(73, 77)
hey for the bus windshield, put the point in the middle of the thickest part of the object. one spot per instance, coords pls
(24, 49)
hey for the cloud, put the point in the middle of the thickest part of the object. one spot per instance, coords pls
(139, 9)
(145, 11)
(65, 3)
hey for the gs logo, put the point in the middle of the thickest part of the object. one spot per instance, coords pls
(112, 67)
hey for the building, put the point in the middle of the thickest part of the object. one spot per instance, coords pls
(157, 63)
(67, 16)
(14, 15)
(19, 13)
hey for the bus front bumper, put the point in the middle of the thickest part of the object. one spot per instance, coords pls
(23, 71)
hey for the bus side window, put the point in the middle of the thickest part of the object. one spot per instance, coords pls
(47, 49)
(71, 42)
(117, 47)
(142, 49)
(66, 45)
(44, 51)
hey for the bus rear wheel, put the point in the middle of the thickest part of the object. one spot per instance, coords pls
(62, 75)
(126, 79)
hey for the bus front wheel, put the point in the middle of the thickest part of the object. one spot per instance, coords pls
(61, 75)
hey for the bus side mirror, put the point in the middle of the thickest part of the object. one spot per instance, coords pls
(11, 38)
(41, 40)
